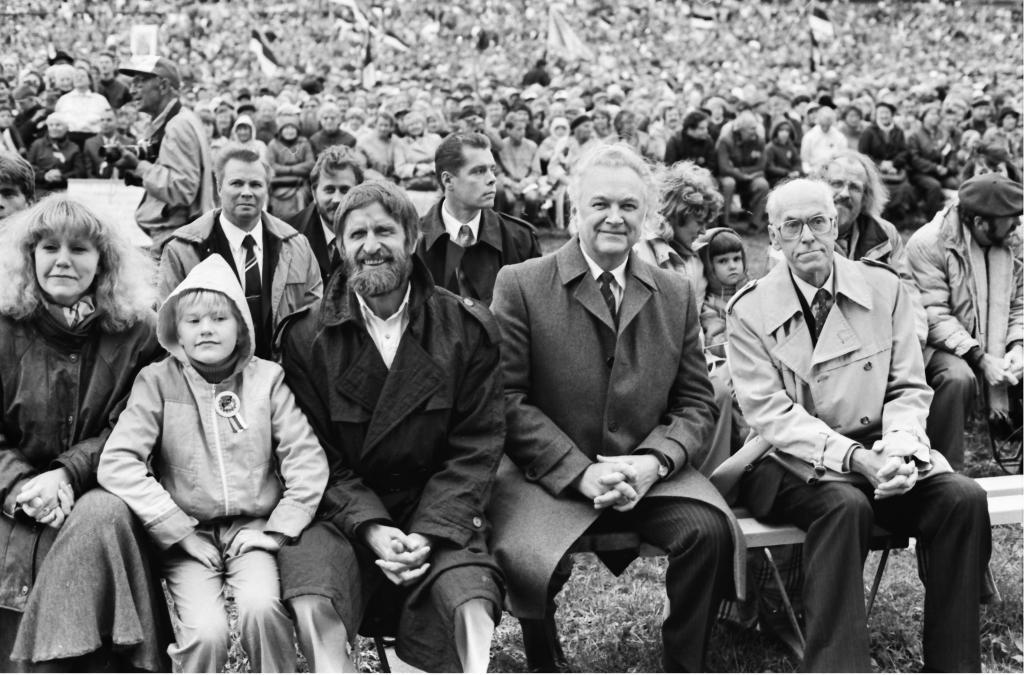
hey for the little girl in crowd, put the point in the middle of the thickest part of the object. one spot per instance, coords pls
(213, 499)
(725, 268)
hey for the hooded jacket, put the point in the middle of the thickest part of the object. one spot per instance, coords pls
(781, 158)
(716, 296)
(202, 468)
(254, 144)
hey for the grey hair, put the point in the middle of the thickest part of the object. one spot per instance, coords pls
(876, 195)
(613, 156)
(776, 198)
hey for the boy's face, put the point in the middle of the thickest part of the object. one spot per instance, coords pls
(728, 268)
(209, 333)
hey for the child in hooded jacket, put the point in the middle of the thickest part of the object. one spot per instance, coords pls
(782, 156)
(217, 425)
(725, 268)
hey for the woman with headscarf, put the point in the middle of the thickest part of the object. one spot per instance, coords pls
(76, 326)
(55, 157)
(291, 157)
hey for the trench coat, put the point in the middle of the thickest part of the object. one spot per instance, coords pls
(574, 389)
(416, 445)
(863, 380)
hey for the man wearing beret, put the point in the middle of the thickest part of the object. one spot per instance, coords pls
(967, 263)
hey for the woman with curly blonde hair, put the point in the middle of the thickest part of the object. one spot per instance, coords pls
(690, 202)
(76, 326)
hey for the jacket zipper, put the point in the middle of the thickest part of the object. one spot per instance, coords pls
(217, 447)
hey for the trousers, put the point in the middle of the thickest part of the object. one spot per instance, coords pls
(198, 594)
(699, 544)
(947, 513)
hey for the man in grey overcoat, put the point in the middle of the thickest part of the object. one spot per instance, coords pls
(609, 411)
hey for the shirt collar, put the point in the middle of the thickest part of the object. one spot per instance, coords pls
(452, 224)
(619, 273)
(809, 291)
(369, 315)
(235, 234)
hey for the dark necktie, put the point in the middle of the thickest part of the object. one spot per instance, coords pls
(606, 280)
(333, 257)
(820, 307)
(465, 238)
(252, 269)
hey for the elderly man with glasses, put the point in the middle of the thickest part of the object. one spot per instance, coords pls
(828, 371)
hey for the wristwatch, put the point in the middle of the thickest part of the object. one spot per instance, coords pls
(664, 464)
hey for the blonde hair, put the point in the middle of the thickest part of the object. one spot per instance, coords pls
(686, 189)
(123, 290)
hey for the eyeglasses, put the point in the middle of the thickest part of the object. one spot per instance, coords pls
(792, 229)
(854, 188)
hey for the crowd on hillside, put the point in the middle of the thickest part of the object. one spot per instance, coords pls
(946, 72)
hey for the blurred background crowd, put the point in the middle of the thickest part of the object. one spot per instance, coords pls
(931, 91)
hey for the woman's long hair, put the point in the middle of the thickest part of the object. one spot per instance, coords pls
(123, 290)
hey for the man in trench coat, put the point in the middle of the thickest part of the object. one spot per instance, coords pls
(828, 371)
(401, 382)
(609, 412)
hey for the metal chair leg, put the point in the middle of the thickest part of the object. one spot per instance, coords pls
(382, 655)
(878, 579)
(790, 614)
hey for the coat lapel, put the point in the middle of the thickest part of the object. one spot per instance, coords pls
(413, 378)
(637, 292)
(572, 267)
(794, 347)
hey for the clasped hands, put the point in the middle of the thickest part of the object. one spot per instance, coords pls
(889, 465)
(618, 482)
(47, 498)
(404, 558)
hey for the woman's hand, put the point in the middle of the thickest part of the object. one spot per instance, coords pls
(39, 497)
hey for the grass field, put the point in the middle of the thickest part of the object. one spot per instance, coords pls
(611, 624)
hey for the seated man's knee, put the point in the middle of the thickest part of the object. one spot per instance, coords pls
(210, 636)
(759, 186)
(258, 604)
(708, 529)
(955, 373)
(728, 184)
(846, 503)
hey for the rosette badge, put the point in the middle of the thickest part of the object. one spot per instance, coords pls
(229, 407)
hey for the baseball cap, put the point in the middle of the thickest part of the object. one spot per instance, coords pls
(152, 66)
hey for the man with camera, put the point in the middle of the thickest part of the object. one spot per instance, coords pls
(172, 161)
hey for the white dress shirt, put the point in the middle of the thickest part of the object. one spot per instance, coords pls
(452, 224)
(386, 333)
(618, 274)
(235, 236)
(809, 291)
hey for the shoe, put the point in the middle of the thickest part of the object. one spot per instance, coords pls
(542, 647)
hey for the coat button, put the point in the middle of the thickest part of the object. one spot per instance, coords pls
(74, 358)
(24, 590)
(531, 474)
(477, 521)
(610, 361)
(469, 303)
(613, 427)
(864, 420)
(867, 366)
(71, 418)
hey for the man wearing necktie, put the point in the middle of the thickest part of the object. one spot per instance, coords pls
(465, 241)
(335, 173)
(274, 263)
(829, 372)
(609, 413)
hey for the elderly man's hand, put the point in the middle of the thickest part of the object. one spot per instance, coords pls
(644, 472)
(890, 475)
(899, 444)
(607, 483)
(1013, 362)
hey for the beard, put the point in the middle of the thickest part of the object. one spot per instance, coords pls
(382, 279)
